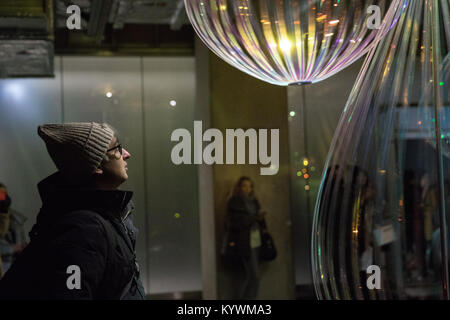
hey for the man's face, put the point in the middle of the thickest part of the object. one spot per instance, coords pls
(115, 170)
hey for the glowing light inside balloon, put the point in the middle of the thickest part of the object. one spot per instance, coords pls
(285, 45)
(288, 42)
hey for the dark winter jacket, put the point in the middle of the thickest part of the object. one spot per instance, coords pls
(240, 221)
(89, 228)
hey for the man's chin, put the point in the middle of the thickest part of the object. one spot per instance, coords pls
(122, 179)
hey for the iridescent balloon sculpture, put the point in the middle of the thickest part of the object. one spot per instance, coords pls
(383, 210)
(288, 42)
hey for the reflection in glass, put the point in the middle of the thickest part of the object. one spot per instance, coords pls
(385, 186)
(291, 41)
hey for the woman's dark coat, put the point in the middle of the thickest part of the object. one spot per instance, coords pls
(239, 222)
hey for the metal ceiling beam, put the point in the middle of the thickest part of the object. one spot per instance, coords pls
(98, 18)
(176, 20)
(121, 10)
(124, 51)
(22, 8)
(26, 38)
(49, 12)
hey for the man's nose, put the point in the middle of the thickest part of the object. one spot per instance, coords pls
(126, 154)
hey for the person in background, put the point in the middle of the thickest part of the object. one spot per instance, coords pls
(411, 207)
(83, 243)
(429, 206)
(245, 219)
(5, 202)
(418, 263)
(435, 251)
(13, 241)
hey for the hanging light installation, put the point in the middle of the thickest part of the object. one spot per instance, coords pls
(288, 42)
(382, 214)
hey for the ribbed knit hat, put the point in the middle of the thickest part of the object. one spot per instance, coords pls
(77, 148)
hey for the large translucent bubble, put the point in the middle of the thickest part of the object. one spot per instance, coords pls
(383, 208)
(292, 41)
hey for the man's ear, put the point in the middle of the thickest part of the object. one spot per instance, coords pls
(98, 171)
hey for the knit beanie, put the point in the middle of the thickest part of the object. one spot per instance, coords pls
(77, 148)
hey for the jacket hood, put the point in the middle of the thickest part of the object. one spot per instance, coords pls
(59, 198)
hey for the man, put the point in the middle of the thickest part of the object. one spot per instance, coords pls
(82, 245)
